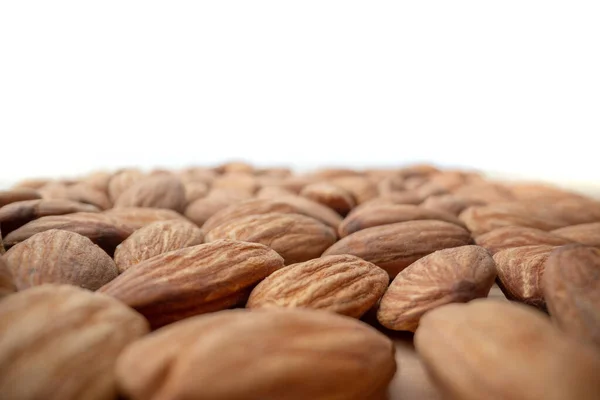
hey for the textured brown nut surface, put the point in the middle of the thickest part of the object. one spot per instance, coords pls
(343, 284)
(295, 237)
(405, 197)
(520, 272)
(572, 291)
(194, 280)
(6, 282)
(60, 342)
(98, 180)
(449, 203)
(313, 209)
(161, 191)
(244, 354)
(394, 247)
(490, 349)
(15, 215)
(246, 208)
(84, 193)
(194, 191)
(385, 214)
(121, 181)
(99, 228)
(138, 217)
(588, 234)
(56, 256)
(10, 196)
(455, 275)
(332, 196)
(361, 188)
(518, 236)
(238, 181)
(34, 183)
(156, 238)
(484, 192)
(201, 210)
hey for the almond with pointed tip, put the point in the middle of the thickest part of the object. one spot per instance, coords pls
(194, 280)
(332, 196)
(156, 238)
(295, 237)
(518, 236)
(342, 284)
(257, 354)
(455, 275)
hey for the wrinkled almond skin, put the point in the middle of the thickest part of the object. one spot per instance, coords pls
(15, 215)
(201, 210)
(492, 349)
(99, 228)
(588, 234)
(7, 285)
(394, 247)
(572, 291)
(59, 342)
(13, 195)
(312, 209)
(138, 217)
(385, 214)
(455, 275)
(332, 196)
(60, 257)
(258, 354)
(194, 280)
(87, 194)
(161, 191)
(246, 208)
(156, 238)
(518, 236)
(450, 203)
(342, 284)
(520, 273)
(121, 181)
(295, 237)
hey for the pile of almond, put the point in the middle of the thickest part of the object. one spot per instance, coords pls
(238, 282)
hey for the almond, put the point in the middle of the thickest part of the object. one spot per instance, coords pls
(138, 217)
(156, 238)
(313, 209)
(518, 236)
(13, 195)
(194, 280)
(332, 196)
(87, 194)
(404, 197)
(62, 343)
(273, 192)
(15, 215)
(7, 285)
(295, 237)
(455, 275)
(98, 180)
(194, 191)
(520, 272)
(35, 183)
(56, 256)
(449, 203)
(199, 211)
(361, 188)
(588, 234)
(342, 284)
(385, 214)
(244, 354)
(161, 191)
(121, 181)
(572, 291)
(54, 190)
(394, 247)
(484, 192)
(238, 181)
(99, 228)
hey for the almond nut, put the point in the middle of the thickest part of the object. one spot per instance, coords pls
(160, 191)
(13, 195)
(518, 236)
(138, 217)
(588, 234)
(332, 196)
(7, 285)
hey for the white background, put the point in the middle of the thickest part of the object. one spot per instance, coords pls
(509, 86)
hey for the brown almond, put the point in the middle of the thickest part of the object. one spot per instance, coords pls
(56, 256)
(342, 284)
(54, 190)
(122, 181)
(87, 194)
(394, 247)
(449, 203)
(34, 183)
(588, 234)
(361, 188)
(520, 273)
(493, 349)
(273, 192)
(156, 238)
(391, 184)
(138, 217)
(7, 285)
(332, 196)
(241, 182)
(518, 236)
(403, 197)
(161, 191)
(334, 173)
(14, 195)
(455, 275)
(194, 280)
(313, 209)
(98, 180)
(385, 214)
(535, 191)
(295, 237)
(201, 210)
(15, 215)
(194, 191)
(257, 354)
(99, 228)
(59, 342)
(484, 192)
(197, 174)
(572, 291)
(246, 208)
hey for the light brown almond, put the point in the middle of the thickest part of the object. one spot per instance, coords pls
(273, 192)
(588, 234)
(7, 285)
(161, 191)
(484, 192)
(138, 217)
(122, 181)
(156, 238)
(332, 196)
(455, 275)
(342, 284)
(518, 236)
(313, 209)
(246, 208)
(194, 191)
(34, 183)
(449, 203)
(98, 180)
(14, 195)
(361, 188)
(237, 181)
(54, 190)
(87, 194)
(201, 210)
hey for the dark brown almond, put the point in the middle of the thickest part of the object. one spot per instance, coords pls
(160, 191)
(87, 194)
(588, 234)
(246, 208)
(385, 214)
(394, 247)
(194, 280)
(156, 238)
(332, 196)
(455, 275)
(122, 181)
(518, 236)
(56, 256)
(520, 273)
(572, 291)
(138, 217)
(14, 195)
(99, 228)
(449, 203)
(295, 237)
(7, 285)
(342, 284)
(15, 215)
